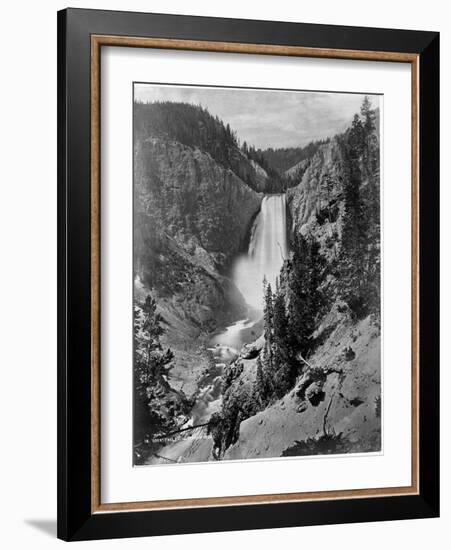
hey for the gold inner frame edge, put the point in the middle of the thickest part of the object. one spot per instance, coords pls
(97, 41)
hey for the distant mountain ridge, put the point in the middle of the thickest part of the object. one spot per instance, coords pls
(283, 159)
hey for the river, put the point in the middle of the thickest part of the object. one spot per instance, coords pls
(267, 251)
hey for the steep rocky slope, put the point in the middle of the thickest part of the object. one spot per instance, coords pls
(315, 203)
(192, 216)
(295, 172)
(335, 404)
(338, 397)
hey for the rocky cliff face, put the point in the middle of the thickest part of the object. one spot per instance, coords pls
(192, 217)
(335, 406)
(316, 202)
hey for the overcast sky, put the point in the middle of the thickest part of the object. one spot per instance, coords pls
(267, 118)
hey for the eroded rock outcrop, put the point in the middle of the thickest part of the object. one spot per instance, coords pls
(335, 400)
(315, 203)
(192, 217)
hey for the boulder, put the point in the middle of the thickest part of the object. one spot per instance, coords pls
(252, 350)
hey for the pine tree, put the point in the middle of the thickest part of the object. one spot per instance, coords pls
(261, 391)
(370, 146)
(151, 367)
(360, 248)
(371, 165)
(352, 260)
(303, 293)
(151, 362)
(268, 312)
(372, 284)
(285, 365)
(280, 323)
(368, 115)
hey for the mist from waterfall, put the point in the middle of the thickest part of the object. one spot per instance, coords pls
(268, 249)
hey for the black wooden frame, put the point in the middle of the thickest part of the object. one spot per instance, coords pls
(75, 520)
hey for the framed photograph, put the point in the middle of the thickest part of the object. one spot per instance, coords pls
(248, 274)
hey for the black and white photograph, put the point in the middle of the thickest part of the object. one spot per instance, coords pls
(256, 274)
(225, 290)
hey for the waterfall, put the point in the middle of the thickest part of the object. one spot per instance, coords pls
(267, 250)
